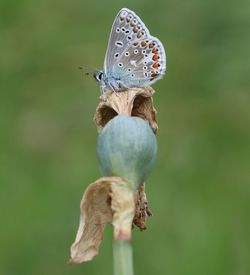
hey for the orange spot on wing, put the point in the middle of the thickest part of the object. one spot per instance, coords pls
(155, 57)
(151, 45)
(139, 35)
(135, 43)
(135, 30)
(143, 43)
(155, 65)
(154, 50)
(153, 75)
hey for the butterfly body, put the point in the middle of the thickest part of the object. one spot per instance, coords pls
(133, 58)
(109, 82)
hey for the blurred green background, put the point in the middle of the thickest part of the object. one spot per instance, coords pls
(199, 190)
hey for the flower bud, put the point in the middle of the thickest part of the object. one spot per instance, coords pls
(127, 148)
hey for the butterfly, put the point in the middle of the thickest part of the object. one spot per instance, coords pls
(133, 58)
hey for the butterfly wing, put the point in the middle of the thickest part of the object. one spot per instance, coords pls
(142, 64)
(133, 56)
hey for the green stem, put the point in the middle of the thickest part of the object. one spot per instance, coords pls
(123, 258)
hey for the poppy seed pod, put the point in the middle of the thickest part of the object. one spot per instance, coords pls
(127, 148)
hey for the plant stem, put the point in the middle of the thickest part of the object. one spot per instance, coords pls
(123, 257)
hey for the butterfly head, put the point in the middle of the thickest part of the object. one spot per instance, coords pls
(98, 76)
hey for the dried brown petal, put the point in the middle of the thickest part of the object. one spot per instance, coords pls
(123, 207)
(133, 102)
(108, 200)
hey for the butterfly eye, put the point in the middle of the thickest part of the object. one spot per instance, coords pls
(126, 53)
(123, 29)
(117, 30)
(136, 51)
(116, 55)
(129, 70)
(120, 65)
(144, 68)
(119, 43)
(127, 31)
(129, 37)
(132, 75)
(146, 74)
(98, 76)
(143, 51)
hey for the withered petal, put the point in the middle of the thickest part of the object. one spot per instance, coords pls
(132, 102)
(108, 200)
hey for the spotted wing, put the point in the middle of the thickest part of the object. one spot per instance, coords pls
(133, 57)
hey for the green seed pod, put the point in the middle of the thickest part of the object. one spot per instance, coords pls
(127, 148)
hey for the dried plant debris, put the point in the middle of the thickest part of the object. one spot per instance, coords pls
(142, 211)
(133, 102)
(108, 200)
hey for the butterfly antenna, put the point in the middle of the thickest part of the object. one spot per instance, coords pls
(85, 70)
